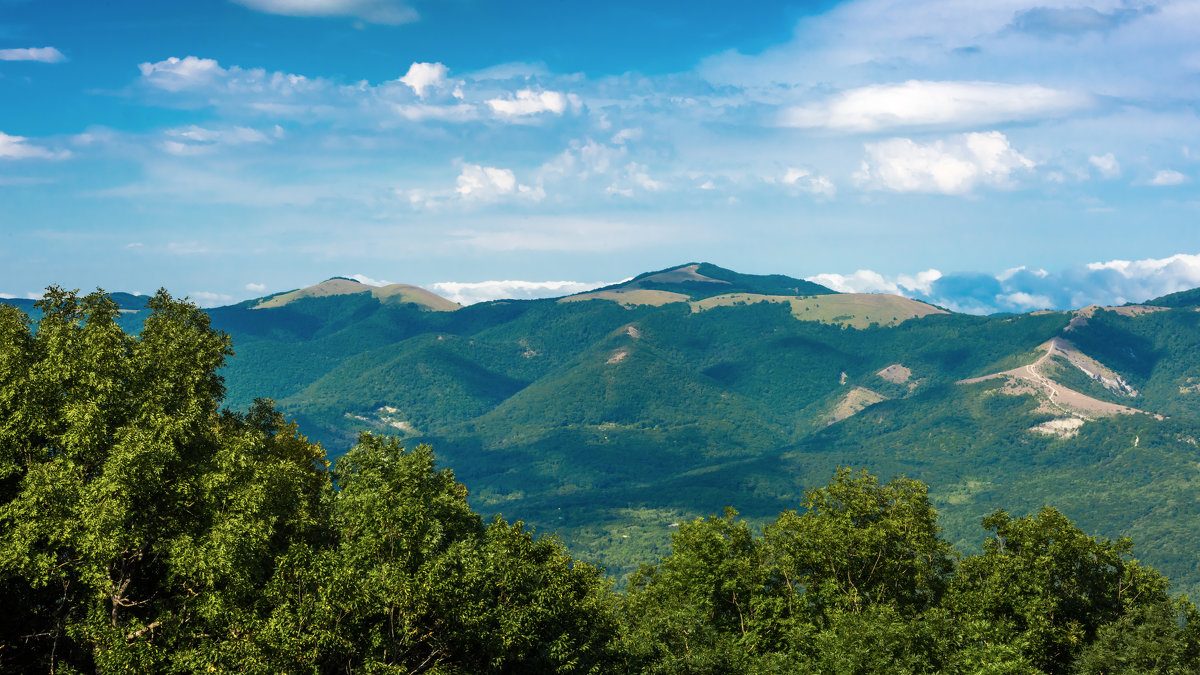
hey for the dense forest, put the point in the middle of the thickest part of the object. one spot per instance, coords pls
(144, 528)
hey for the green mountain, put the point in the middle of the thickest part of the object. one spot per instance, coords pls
(611, 415)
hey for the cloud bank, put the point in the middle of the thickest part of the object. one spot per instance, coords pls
(933, 104)
(468, 293)
(39, 54)
(1021, 289)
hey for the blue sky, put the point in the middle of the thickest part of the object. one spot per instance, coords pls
(999, 156)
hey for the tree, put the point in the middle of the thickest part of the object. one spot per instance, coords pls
(1047, 588)
(863, 560)
(137, 520)
(410, 579)
(859, 543)
(706, 608)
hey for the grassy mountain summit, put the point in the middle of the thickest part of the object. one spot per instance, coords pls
(391, 293)
(607, 416)
(697, 281)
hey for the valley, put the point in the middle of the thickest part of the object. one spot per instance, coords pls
(608, 416)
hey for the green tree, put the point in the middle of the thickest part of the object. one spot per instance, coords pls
(1046, 588)
(705, 608)
(137, 520)
(862, 561)
(859, 543)
(411, 580)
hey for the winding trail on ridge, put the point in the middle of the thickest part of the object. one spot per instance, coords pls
(1066, 400)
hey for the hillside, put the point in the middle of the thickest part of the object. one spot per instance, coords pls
(390, 294)
(607, 416)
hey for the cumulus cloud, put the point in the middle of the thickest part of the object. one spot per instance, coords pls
(868, 281)
(468, 293)
(40, 54)
(423, 93)
(1022, 289)
(603, 168)
(807, 181)
(256, 288)
(477, 182)
(175, 74)
(1168, 177)
(632, 178)
(364, 279)
(952, 166)
(1106, 164)
(528, 102)
(19, 147)
(423, 76)
(389, 12)
(201, 81)
(941, 104)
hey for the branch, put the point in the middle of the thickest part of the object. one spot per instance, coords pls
(139, 633)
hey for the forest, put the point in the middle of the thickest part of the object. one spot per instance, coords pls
(145, 528)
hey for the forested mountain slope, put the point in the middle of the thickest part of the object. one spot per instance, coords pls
(610, 415)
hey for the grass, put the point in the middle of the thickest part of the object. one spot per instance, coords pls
(856, 310)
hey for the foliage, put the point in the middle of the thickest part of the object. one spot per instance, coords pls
(144, 529)
(860, 581)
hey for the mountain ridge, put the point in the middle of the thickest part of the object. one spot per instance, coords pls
(607, 421)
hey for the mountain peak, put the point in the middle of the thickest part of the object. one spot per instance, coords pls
(390, 294)
(699, 280)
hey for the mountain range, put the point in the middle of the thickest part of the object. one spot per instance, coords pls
(611, 416)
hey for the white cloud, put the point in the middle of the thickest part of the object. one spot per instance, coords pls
(256, 288)
(638, 175)
(176, 74)
(625, 135)
(461, 112)
(1159, 275)
(195, 140)
(364, 279)
(417, 96)
(941, 104)
(1168, 177)
(18, 147)
(601, 165)
(40, 54)
(868, 281)
(389, 12)
(952, 166)
(254, 88)
(583, 160)
(423, 76)
(210, 299)
(1021, 289)
(486, 182)
(467, 293)
(529, 102)
(476, 184)
(1106, 164)
(807, 181)
(1022, 301)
